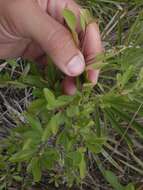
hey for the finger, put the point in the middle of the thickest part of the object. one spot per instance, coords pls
(93, 76)
(55, 9)
(53, 38)
(92, 43)
(92, 46)
(69, 86)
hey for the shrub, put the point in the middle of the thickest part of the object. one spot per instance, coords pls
(57, 133)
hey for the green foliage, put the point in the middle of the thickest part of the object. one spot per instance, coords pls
(71, 22)
(58, 131)
(70, 19)
(113, 180)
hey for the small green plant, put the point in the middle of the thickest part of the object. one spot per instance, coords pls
(57, 132)
(113, 180)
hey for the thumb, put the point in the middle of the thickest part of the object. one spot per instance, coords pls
(54, 39)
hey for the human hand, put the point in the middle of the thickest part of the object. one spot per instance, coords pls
(34, 28)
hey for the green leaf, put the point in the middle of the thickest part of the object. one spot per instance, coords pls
(46, 134)
(75, 38)
(76, 158)
(50, 97)
(2, 162)
(113, 180)
(55, 122)
(96, 149)
(124, 79)
(34, 135)
(27, 144)
(72, 111)
(13, 63)
(63, 139)
(86, 14)
(97, 122)
(34, 123)
(82, 167)
(54, 103)
(26, 70)
(49, 158)
(64, 100)
(85, 18)
(82, 23)
(33, 81)
(95, 143)
(3, 186)
(23, 155)
(47, 162)
(130, 186)
(36, 169)
(70, 19)
(17, 178)
(36, 106)
(71, 22)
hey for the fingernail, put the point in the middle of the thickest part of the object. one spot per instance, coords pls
(76, 65)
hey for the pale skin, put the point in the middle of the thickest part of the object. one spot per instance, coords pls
(34, 28)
